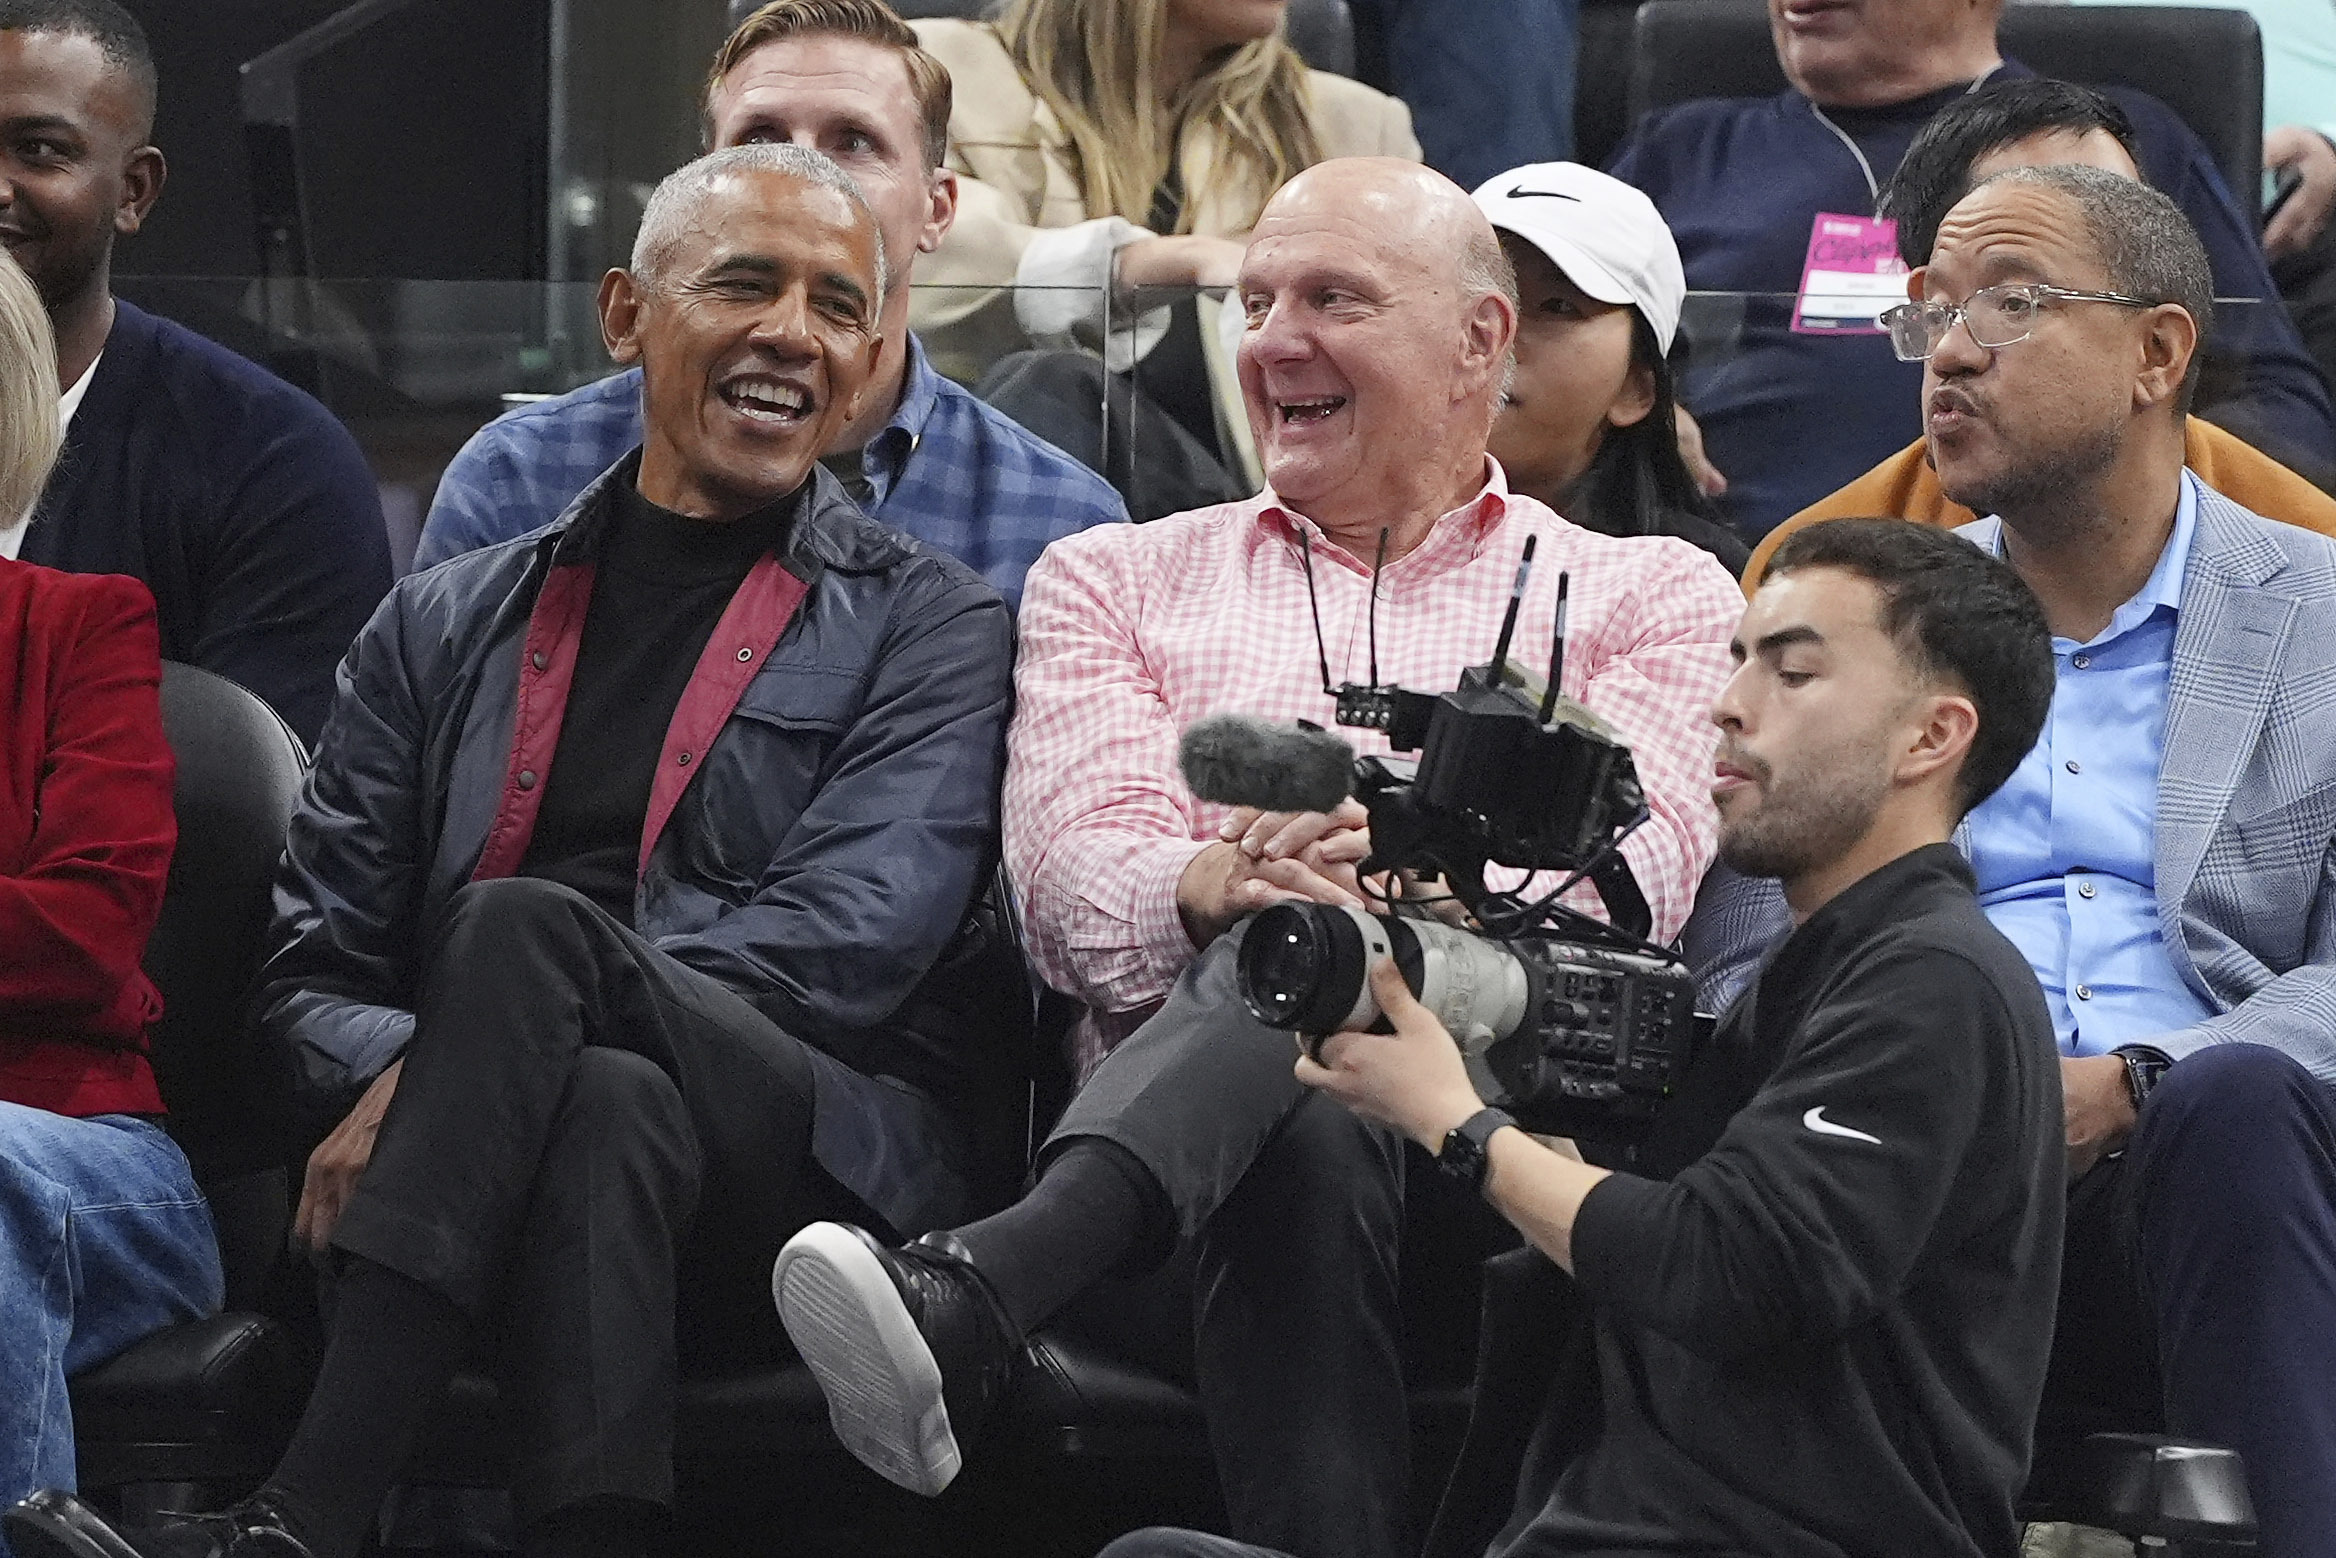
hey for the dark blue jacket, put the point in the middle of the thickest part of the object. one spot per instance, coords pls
(820, 862)
(239, 501)
(1789, 418)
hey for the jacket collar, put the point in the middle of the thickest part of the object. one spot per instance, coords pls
(2228, 643)
(828, 529)
(2228, 648)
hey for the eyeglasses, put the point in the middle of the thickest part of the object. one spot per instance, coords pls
(1995, 316)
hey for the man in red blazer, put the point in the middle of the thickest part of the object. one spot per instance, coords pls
(103, 1235)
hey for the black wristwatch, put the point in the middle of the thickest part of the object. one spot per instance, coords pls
(1464, 1154)
(2143, 1067)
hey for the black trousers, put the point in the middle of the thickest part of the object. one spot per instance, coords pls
(2198, 1292)
(596, 1152)
(1295, 1208)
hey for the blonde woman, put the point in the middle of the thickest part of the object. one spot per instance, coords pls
(89, 1183)
(1113, 145)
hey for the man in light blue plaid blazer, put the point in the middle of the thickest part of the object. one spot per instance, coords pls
(2166, 856)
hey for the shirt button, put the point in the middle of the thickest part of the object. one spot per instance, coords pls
(539, 660)
(527, 778)
(2082, 662)
(2084, 992)
(2074, 766)
(2085, 889)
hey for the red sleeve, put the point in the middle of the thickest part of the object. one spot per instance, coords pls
(75, 917)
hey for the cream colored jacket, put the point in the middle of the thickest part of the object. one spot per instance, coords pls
(1023, 222)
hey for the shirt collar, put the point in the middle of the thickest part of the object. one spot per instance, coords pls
(1456, 538)
(889, 450)
(70, 401)
(2163, 588)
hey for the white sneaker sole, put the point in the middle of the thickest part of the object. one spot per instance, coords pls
(882, 1384)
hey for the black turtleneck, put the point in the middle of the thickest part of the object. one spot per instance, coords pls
(662, 583)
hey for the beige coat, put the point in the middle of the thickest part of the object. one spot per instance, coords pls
(1016, 179)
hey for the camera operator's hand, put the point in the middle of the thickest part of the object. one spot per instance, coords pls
(1412, 1079)
(2098, 1106)
(1264, 858)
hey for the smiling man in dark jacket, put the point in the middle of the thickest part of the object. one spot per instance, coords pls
(636, 869)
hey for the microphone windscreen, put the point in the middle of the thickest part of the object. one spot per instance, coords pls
(1241, 760)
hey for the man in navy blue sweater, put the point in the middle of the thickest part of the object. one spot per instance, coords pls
(243, 505)
(1792, 416)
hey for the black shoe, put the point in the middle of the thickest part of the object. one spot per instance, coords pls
(55, 1524)
(910, 1346)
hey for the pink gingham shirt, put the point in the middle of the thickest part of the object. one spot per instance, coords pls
(1129, 633)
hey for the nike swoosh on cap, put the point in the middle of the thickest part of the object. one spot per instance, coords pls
(1815, 1120)
(1520, 192)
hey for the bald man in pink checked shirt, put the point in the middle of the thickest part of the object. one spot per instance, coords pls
(1379, 326)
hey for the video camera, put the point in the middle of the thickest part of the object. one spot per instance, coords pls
(1576, 1027)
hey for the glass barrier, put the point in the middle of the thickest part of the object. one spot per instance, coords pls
(414, 368)
(1788, 415)
(1143, 389)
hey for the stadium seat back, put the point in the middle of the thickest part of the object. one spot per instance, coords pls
(239, 773)
(2204, 63)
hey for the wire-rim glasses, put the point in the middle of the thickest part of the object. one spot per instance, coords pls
(2001, 315)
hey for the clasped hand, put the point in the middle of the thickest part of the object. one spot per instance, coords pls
(1264, 858)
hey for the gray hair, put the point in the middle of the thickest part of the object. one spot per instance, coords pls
(2146, 246)
(28, 395)
(1485, 268)
(686, 188)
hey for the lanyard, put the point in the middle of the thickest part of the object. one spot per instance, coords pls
(1873, 185)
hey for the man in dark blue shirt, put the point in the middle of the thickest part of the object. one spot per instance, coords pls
(238, 500)
(1788, 417)
(926, 456)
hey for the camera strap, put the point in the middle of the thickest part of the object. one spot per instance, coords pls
(1618, 889)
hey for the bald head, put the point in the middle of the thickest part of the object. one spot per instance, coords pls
(1421, 216)
(1381, 311)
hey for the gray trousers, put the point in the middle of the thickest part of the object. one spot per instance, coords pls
(1295, 1210)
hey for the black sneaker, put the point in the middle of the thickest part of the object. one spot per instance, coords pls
(55, 1524)
(909, 1345)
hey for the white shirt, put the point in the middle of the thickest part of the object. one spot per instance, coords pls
(67, 403)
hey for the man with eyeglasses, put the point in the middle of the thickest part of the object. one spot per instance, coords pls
(2166, 855)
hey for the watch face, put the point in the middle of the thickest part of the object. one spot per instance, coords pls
(1462, 1158)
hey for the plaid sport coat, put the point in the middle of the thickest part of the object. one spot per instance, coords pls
(2246, 824)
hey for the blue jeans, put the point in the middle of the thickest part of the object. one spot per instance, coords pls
(1490, 83)
(104, 1239)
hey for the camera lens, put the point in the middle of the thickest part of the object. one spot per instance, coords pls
(1302, 967)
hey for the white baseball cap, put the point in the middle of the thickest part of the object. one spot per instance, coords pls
(1607, 237)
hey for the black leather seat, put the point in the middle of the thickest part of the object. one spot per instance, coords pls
(2204, 63)
(210, 1402)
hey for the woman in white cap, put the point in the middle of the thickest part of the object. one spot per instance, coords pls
(1590, 426)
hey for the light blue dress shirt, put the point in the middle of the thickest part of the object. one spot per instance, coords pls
(2066, 851)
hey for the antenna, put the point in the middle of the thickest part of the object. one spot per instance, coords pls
(1321, 650)
(1500, 649)
(1371, 613)
(1556, 654)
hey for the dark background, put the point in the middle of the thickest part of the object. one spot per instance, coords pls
(423, 143)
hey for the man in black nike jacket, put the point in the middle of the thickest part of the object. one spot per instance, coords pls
(1815, 1311)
